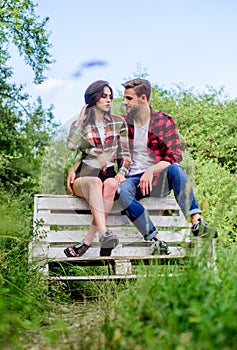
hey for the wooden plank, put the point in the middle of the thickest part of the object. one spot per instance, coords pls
(175, 236)
(104, 277)
(166, 203)
(104, 260)
(62, 202)
(56, 252)
(78, 235)
(74, 219)
(94, 278)
(94, 252)
(124, 236)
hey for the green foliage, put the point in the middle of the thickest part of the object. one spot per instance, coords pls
(55, 165)
(194, 310)
(25, 129)
(216, 191)
(23, 145)
(207, 122)
(22, 27)
(20, 289)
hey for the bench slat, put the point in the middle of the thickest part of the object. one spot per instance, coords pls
(119, 251)
(124, 236)
(51, 219)
(93, 278)
(65, 202)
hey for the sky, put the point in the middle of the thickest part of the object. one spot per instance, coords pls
(176, 42)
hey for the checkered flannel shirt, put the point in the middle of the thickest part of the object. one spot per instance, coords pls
(87, 142)
(163, 139)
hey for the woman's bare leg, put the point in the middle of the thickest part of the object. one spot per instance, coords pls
(89, 237)
(90, 188)
(109, 189)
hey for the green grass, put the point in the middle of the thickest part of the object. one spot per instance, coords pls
(194, 310)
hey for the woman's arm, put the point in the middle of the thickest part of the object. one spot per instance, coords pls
(72, 175)
(76, 133)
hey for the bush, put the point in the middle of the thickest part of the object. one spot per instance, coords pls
(206, 122)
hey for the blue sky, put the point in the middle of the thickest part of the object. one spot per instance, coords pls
(186, 42)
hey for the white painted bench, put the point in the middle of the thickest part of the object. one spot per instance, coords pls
(62, 220)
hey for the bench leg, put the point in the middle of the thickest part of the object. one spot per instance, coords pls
(121, 267)
(38, 256)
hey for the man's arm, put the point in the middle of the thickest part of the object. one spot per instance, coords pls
(165, 129)
(147, 177)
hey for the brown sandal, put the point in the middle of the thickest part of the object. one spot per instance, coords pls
(76, 250)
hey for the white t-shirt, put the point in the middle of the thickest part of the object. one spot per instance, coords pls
(101, 128)
(92, 162)
(140, 160)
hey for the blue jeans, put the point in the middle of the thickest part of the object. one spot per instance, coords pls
(172, 178)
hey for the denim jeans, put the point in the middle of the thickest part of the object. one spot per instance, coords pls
(172, 178)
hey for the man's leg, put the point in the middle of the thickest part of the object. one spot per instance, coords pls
(183, 191)
(129, 194)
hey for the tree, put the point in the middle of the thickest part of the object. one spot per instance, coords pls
(25, 129)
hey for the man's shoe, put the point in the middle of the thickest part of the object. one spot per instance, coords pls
(202, 229)
(160, 248)
(108, 241)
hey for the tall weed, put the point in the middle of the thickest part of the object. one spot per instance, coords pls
(195, 310)
(21, 291)
(216, 192)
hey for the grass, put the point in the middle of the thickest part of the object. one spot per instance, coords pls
(194, 310)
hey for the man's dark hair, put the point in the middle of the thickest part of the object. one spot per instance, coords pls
(140, 86)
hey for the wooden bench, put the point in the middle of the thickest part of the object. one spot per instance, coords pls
(62, 220)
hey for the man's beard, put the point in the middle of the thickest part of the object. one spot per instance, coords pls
(134, 111)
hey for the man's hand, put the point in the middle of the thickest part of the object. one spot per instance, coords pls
(146, 182)
(70, 179)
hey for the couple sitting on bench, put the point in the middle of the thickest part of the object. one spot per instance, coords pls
(127, 158)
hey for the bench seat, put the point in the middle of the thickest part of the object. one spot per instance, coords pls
(63, 220)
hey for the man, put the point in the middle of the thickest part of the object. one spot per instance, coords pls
(155, 169)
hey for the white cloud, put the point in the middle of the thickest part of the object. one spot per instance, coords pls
(52, 84)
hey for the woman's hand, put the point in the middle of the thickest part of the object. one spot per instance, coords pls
(70, 180)
(82, 116)
(120, 178)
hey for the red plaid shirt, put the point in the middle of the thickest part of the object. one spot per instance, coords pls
(87, 142)
(163, 139)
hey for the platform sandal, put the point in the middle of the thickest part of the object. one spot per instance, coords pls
(76, 250)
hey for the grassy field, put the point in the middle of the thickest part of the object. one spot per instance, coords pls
(193, 310)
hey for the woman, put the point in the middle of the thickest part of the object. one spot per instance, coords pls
(101, 141)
